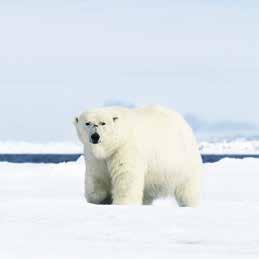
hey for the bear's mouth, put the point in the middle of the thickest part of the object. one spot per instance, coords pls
(95, 142)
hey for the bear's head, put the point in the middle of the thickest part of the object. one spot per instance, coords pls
(104, 130)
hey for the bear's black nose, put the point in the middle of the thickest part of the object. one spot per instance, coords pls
(95, 138)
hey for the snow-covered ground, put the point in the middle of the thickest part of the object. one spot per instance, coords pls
(235, 146)
(9, 147)
(43, 215)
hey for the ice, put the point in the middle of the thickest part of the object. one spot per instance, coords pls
(43, 215)
(235, 146)
(10, 147)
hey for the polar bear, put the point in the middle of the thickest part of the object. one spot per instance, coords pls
(134, 156)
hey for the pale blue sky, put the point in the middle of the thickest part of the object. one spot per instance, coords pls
(58, 58)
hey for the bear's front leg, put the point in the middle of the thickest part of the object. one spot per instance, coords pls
(96, 191)
(127, 180)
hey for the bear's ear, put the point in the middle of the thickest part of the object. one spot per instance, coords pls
(115, 118)
(76, 124)
(76, 120)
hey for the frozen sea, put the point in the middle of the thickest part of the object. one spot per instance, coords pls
(43, 215)
(225, 146)
(211, 151)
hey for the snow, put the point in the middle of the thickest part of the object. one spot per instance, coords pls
(43, 215)
(10, 147)
(234, 146)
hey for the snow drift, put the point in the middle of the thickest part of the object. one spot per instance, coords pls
(43, 215)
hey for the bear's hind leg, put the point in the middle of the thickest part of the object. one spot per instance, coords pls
(188, 194)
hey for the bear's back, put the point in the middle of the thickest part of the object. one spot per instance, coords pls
(162, 132)
(157, 118)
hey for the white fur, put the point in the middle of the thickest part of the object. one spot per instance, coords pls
(146, 153)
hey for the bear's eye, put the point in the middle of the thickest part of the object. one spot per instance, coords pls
(87, 124)
(115, 118)
(102, 123)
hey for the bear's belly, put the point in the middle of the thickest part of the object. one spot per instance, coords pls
(162, 176)
(159, 184)
(157, 190)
